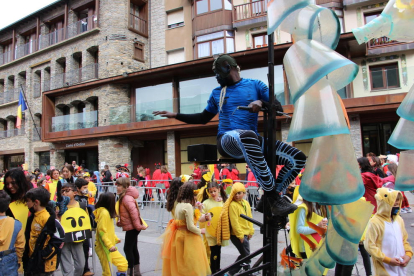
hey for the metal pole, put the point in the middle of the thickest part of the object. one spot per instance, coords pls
(270, 232)
(28, 107)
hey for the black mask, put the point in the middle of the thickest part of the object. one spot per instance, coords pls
(291, 189)
(395, 210)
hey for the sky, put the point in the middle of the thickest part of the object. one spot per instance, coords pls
(13, 10)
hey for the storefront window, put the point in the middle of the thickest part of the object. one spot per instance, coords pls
(261, 74)
(14, 161)
(44, 161)
(195, 93)
(153, 98)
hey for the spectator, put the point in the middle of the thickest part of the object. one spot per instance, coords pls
(371, 181)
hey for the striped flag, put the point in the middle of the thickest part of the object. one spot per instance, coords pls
(20, 108)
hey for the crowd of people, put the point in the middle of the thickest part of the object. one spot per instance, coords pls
(34, 209)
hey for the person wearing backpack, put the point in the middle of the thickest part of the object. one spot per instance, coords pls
(82, 197)
(72, 250)
(40, 236)
(11, 239)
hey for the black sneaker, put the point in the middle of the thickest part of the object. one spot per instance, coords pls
(279, 206)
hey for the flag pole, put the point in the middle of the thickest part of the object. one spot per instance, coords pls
(30, 111)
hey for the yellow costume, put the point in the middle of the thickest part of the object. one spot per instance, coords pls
(52, 189)
(92, 190)
(105, 239)
(296, 241)
(234, 209)
(183, 251)
(386, 238)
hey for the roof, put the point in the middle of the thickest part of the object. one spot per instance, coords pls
(36, 13)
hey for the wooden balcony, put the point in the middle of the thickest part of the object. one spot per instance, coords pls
(250, 13)
(212, 20)
(138, 25)
(381, 42)
(384, 45)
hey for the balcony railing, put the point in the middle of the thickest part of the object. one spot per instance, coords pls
(36, 90)
(250, 10)
(26, 49)
(138, 24)
(381, 42)
(75, 121)
(9, 96)
(5, 57)
(46, 40)
(12, 132)
(52, 38)
(73, 77)
(37, 135)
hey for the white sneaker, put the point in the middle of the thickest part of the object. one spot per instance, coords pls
(90, 252)
(403, 211)
(409, 210)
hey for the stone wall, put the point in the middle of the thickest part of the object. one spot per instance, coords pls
(111, 45)
(158, 24)
(171, 152)
(356, 136)
(115, 151)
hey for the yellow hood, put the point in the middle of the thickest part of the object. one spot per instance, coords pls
(223, 227)
(385, 201)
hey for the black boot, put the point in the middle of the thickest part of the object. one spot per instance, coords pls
(279, 206)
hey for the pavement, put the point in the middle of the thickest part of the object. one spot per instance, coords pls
(149, 244)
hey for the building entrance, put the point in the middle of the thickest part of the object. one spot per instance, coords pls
(87, 157)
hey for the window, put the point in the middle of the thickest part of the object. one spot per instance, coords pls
(139, 51)
(152, 98)
(215, 43)
(138, 17)
(384, 76)
(175, 19)
(175, 56)
(204, 6)
(194, 94)
(259, 40)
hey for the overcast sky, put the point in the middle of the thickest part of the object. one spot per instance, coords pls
(13, 10)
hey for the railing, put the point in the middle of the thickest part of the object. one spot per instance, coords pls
(51, 38)
(46, 40)
(9, 96)
(12, 132)
(72, 77)
(36, 90)
(138, 24)
(37, 136)
(75, 121)
(120, 115)
(380, 42)
(5, 57)
(250, 10)
(26, 49)
(83, 25)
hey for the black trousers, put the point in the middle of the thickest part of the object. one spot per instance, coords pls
(346, 270)
(215, 258)
(86, 245)
(131, 247)
(244, 250)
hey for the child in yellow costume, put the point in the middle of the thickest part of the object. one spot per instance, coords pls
(306, 212)
(213, 200)
(106, 238)
(182, 250)
(91, 188)
(386, 237)
(233, 227)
